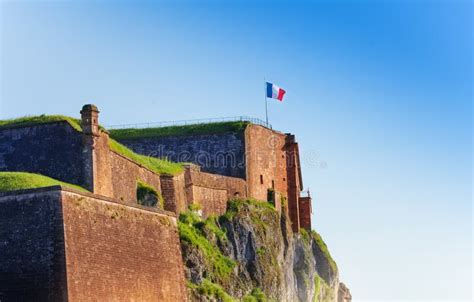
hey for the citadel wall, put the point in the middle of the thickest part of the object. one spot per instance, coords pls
(222, 153)
(266, 161)
(32, 257)
(53, 149)
(270, 162)
(120, 253)
(174, 194)
(60, 245)
(212, 191)
(305, 212)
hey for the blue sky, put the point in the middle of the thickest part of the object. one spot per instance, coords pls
(379, 94)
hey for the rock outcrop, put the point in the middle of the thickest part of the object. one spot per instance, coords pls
(251, 254)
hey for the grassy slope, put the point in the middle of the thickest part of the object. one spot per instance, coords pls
(210, 128)
(41, 119)
(157, 165)
(10, 181)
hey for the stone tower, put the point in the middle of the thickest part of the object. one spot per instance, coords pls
(90, 119)
(95, 152)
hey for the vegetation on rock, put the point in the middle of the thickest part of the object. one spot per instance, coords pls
(208, 128)
(10, 181)
(193, 231)
(210, 290)
(323, 292)
(256, 295)
(250, 254)
(324, 248)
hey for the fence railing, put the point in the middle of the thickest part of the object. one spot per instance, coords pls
(252, 120)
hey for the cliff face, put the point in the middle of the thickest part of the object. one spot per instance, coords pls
(251, 254)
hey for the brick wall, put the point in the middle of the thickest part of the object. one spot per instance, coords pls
(222, 154)
(32, 259)
(112, 252)
(120, 253)
(54, 150)
(32, 247)
(125, 174)
(294, 182)
(103, 176)
(266, 161)
(305, 212)
(212, 191)
(174, 194)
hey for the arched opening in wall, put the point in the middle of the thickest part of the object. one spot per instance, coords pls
(148, 195)
(271, 196)
(261, 179)
(236, 194)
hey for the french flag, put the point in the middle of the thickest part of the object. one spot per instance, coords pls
(275, 92)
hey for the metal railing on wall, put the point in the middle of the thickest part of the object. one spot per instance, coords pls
(252, 120)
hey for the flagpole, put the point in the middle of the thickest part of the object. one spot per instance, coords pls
(266, 100)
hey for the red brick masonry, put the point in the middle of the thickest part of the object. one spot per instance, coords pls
(75, 246)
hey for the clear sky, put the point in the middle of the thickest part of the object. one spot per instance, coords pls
(379, 95)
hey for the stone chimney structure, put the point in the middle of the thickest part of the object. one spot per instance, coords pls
(97, 169)
(90, 119)
(294, 180)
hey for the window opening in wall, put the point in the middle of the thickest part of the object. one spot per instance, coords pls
(261, 179)
(273, 184)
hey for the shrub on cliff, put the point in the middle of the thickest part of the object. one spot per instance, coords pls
(324, 249)
(192, 231)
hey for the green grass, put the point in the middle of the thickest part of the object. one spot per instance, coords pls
(41, 119)
(257, 295)
(324, 248)
(10, 181)
(157, 165)
(211, 290)
(322, 291)
(192, 230)
(209, 128)
(305, 236)
(234, 206)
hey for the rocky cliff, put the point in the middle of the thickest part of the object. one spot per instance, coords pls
(251, 254)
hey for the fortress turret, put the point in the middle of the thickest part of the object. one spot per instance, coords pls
(90, 119)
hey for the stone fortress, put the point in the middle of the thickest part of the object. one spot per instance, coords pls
(43, 230)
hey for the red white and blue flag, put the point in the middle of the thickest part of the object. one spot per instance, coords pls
(275, 92)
